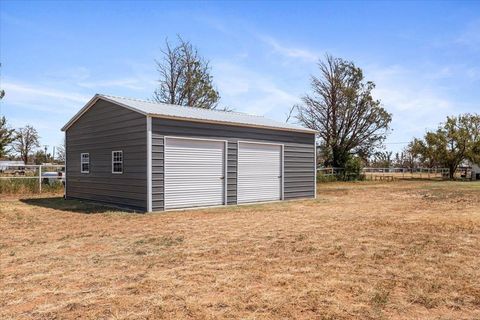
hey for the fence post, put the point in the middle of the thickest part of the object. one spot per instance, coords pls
(40, 178)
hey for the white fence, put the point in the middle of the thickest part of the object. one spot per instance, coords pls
(46, 174)
(406, 173)
(391, 173)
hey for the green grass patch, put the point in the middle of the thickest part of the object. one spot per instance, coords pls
(28, 186)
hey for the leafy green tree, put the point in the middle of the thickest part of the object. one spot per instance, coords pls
(40, 157)
(185, 77)
(6, 137)
(341, 108)
(472, 122)
(423, 153)
(456, 140)
(353, 168)
(408, 159)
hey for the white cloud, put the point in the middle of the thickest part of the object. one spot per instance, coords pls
(69, 74)
(415, 98)
(48, 102)
(470, 37)
(46, 108)
(128, 83)
(473, 73)
(249, 91)
(39, 98)
(290, 52)
(403, 90)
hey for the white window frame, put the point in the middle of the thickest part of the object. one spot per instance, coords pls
(113, 162)
(84, 162)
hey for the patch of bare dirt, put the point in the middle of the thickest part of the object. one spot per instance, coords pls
(401, 250)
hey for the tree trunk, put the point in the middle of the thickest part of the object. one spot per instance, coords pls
(452, 172)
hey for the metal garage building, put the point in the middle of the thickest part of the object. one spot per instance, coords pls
(150, 156)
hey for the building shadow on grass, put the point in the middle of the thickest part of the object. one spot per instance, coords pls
(72, 205)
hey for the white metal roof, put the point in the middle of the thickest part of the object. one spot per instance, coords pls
(162, 110)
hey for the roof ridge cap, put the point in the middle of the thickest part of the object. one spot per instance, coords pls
(179, 106)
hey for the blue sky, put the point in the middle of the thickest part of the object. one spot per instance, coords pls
(423, 56)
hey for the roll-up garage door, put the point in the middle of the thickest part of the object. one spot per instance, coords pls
(194, 173)
(259, 172)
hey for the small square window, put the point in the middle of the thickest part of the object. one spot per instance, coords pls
(85, 163)
(117, 161)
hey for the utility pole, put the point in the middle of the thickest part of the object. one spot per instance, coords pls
(45, 148)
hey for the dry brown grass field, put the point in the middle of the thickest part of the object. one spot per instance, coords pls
(397, 250)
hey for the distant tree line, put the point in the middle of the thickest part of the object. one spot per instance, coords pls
(24, 144)
(455, 142)
(352, 125)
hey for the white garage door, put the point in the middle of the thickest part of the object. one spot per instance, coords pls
(259, 172)
(194, 173)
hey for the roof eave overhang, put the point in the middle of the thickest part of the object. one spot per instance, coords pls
(237, 124)
(154, 115)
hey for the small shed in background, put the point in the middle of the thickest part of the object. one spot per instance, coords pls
(11, 165)
(150, 156)
(475, 171)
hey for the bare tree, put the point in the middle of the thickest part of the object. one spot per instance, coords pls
(61, 152)
(25, 141)
(171, 70)
(185, 77)
(382, 159)
(343, 111)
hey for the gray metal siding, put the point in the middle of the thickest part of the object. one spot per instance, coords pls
(157, 170)
(299, 156)
(232, 156)
(106, 127)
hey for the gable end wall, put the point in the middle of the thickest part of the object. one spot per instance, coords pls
(104, 128)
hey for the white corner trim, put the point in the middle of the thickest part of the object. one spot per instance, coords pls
(225, 173)
(283, 171)
(65, 173)
(149, 164)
